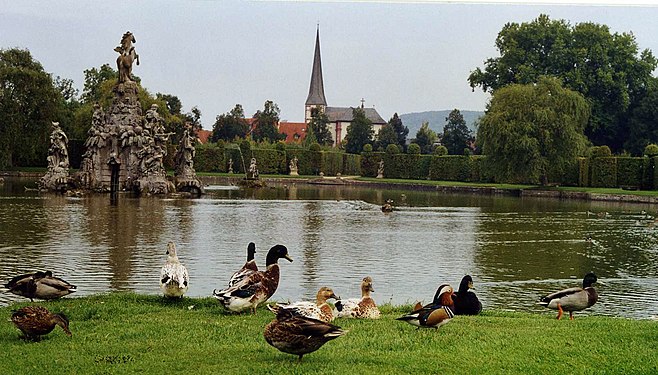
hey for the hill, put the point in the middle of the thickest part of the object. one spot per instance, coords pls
(436, 119)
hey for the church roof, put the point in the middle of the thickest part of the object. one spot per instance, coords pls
(345, 114)
(316, 89)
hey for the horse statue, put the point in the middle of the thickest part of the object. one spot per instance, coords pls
(126, 57)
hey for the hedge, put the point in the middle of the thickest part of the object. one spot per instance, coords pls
(630, 171)
(370, 163)
(451, 168)
(209, 158)
(604, 172)
(351, 164)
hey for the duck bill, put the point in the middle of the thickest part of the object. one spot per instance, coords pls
(288, 257)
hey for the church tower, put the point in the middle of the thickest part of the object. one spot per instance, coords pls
(315, 97)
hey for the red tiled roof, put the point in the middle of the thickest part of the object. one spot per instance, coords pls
(203, 135)
(294, 131)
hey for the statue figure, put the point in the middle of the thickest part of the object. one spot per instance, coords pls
(293, 167)
(126, 57)
(253, 170)
(58, 155)
(183, 160)
(230, 165)
(380, 170)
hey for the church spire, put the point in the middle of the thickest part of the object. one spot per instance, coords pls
(316, 89)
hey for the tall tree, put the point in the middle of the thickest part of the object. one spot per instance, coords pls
(318, 127)
(174, 105)
(93, 90)
(29, 101)
(606, 68)
(456, 135)
(425, 138)
(230, 125)
(400, 130)
(266, 123)
(643, 124)
(531, 131)
(359, 133)
(386, 136)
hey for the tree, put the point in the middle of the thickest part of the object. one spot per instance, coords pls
(456, 135)
(318, 127)
(230, 125)
(174, 105)
(400, 130)
(605, 68)
(93, 91)
(531, 131)
(359, 132)
(266, 123)
(643, 124)
(386, 136)
(425, 138)
(29, 101)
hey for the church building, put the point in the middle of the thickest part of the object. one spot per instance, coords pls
(340, 118)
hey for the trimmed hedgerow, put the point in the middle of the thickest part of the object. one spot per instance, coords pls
(451, 168)
(209, 158)
(630, 171)
(332, 163)
(351, 164)
(407, 166)
(583, 171)
(480, 172)
(604, 172)
(270, 161)
(370, 163)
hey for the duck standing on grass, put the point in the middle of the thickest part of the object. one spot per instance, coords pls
(248, 268)
(36, 321)
(365, 307)
(572, 299)
(255, 288)
(295, 334)
(319, 309)
(40, 285)
(466, 302)
(435, 314)
(174, 279)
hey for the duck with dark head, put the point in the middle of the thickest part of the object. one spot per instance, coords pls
(36, 321)
(435, 314)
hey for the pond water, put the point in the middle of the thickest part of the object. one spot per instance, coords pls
(516, 249)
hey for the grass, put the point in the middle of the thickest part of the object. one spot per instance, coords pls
(128, 333)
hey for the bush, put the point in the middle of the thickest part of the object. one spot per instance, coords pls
(651, 150)
(630, 171)
(468, 151)
(367, 147)
(583, 171)
(270, 161)
(280, 146)
(314, 147)
(413, 149)
(451, 168)
(440, 151)
(604, 172)
(600, 152)
(209, 158)
(351, 164)
(370, 163)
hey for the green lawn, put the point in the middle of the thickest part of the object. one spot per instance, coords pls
(127, 333)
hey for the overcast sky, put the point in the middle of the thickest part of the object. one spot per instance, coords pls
(399, 56)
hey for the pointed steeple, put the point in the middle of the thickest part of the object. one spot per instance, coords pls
(316, 89)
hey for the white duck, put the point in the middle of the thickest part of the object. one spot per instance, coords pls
(319, 309)
(365, 307)
(174, 279)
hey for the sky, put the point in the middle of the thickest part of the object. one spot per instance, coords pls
(398, 56)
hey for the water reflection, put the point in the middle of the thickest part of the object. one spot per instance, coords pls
(516, 248)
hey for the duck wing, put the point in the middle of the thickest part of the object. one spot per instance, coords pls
(559, 295)
(247, 270)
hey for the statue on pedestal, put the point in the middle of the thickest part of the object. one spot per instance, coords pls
(126, 57)
(57, 176)
(230, 165)
(380, 170)
(252, 173)
(293, 166)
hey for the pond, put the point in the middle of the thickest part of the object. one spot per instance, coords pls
(516, 249)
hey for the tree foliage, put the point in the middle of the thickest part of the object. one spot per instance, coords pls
(318, 127)
(425, 138)
(386, 136)
(401, 131)
(266, 123)
(532, 130)
(643, 124)
(230, 125)
(607, 68)
(359, 132)
(456, 135)
(29, 101)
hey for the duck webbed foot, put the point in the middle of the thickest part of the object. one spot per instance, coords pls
(559, 311)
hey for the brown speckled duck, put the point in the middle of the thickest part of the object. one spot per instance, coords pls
(572, 299)
(40, 285)
(365, 307)
(435, 314)
(36, 321)
(319, 310)
(299, 335)
(248, 268)
(255, 288)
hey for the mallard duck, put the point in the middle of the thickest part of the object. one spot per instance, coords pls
(36, 321)
(174, 278)
(572, 299)
(435, 314)
(296, 334)
(365, 307)
(248, 268)
(40, 285)
(466, 302)
(255, 288)
(388, 206)
(319, 310)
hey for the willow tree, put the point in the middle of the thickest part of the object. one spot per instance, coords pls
(532, 131)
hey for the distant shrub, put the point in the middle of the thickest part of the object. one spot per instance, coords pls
(600, 152)
(651, 150)
(392, 149)
(413, 149)
(314, 147)
(367, 147)
(440, 151)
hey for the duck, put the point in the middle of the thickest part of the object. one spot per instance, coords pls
(572, 299)
(255, 288)
(466, 302)
(364, 307)
(319, 309)
(248, 268)
(435, 314)
(295, 334)
(174, 279)
(39, 285)
(36, 321)
(388, 206)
